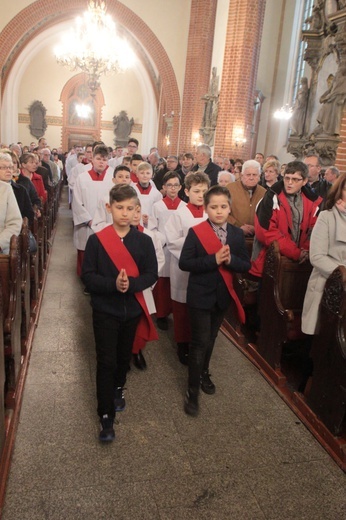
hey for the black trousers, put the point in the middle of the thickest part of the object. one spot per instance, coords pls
(205, 326)
(114, 340)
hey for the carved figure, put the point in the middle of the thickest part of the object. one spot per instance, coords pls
(122, 126)
(333, 100)
(297, 122)
(211, 100)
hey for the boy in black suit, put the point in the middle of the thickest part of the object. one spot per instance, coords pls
(211, 252)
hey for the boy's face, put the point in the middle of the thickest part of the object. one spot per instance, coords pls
(134, 165)
(99, 163)
(195, 193)
(126, 163)
(218, 209)
(122, 212)
(137, 216)
(122, 177)
(187, 162)
(172, 187)
(144, 176)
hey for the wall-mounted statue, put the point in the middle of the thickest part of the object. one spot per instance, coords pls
(211, 106)
(38, 124)
(122, 128)
(333, 100)
(297, 122)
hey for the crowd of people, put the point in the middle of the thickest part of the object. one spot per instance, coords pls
(161, 236)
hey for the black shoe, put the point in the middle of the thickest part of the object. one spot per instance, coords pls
(207, 385)
(119, 399)
(139, 361)
(162, 323)
(191, 402)
(107, 433)
(183, 353)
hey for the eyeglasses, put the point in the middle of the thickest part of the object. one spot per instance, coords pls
(4, 168)
(175, 186)
(293, 179)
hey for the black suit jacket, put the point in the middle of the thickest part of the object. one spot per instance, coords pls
(212, 170)
(206, 287)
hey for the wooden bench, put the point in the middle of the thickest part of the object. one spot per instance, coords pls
(2, 376)
(11, 281)
(25, 281)
(282, 295)
(327, 396)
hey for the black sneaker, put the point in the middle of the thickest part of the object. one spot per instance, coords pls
(162, 323)
(107, 433)
(191, 402)
(207, 385)
(119, 399)
(183, 353)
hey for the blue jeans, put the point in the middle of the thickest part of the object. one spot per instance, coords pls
(205, 324)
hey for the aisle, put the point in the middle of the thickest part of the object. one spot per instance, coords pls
(245, 457)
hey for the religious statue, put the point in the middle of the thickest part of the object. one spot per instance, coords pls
(297, 122)
(333, 100)
(318, 18)
(211, 107)
(122, 127)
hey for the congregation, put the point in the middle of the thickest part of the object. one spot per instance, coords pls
(165, 236)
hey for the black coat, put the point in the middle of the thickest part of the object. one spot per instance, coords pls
(212, 170)
(206, 287)
(23, 201)
(30, 188)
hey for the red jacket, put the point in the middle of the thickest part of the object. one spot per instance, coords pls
(37, 181)
(273, 221)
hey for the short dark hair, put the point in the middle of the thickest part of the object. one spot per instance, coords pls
(216, 190)
(194, 178)
(24, 158)
(121, 168)
(100, 149)
(170, 175)
(188, 155)
(97, 143)
(121, 192)
(133, 140)
(297, 166)
(136, 157)
(319, 162)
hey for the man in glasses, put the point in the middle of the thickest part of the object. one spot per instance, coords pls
(287, 214)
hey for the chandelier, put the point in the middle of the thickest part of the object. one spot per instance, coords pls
(93, 47)
(284, 113)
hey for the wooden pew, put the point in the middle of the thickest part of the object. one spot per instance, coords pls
(25, 281)
(10, 276)
(282, 295)
(2, 376)
(327, 396)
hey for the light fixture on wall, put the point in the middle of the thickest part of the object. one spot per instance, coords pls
(195, 139)
(239, 139)
(93, 46)
(284, 113)
(83, 111)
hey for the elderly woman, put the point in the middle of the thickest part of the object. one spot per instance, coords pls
(224, 177)
(327, 251)
(10, 217)
(271, 171)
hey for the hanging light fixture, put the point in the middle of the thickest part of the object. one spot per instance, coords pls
(93, 46)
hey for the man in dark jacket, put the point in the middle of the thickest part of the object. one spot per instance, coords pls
(205, 164)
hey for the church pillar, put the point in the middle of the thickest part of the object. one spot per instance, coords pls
(197, 70)
(239, 75)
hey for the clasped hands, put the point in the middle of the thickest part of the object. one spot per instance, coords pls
(223, 256)
(122, 281)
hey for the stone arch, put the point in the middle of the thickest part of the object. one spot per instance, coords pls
(43, 14)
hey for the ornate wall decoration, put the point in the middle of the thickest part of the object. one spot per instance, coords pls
(320, 103)
(122, 128)
(38, 123)
(211, 107)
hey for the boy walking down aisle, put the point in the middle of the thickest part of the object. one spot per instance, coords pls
(211, 252)
(119, 263)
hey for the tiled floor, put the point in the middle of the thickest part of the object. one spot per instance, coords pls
(246, 456)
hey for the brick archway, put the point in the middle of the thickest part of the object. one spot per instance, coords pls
(42, 14)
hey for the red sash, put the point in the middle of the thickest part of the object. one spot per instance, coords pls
(212, 245)
(122, 259)
(97, 176)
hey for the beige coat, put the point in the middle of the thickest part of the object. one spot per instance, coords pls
(10, 216)
(327, 252)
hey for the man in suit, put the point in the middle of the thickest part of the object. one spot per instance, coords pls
(205, 164)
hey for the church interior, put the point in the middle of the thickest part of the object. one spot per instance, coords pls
(243, 77)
